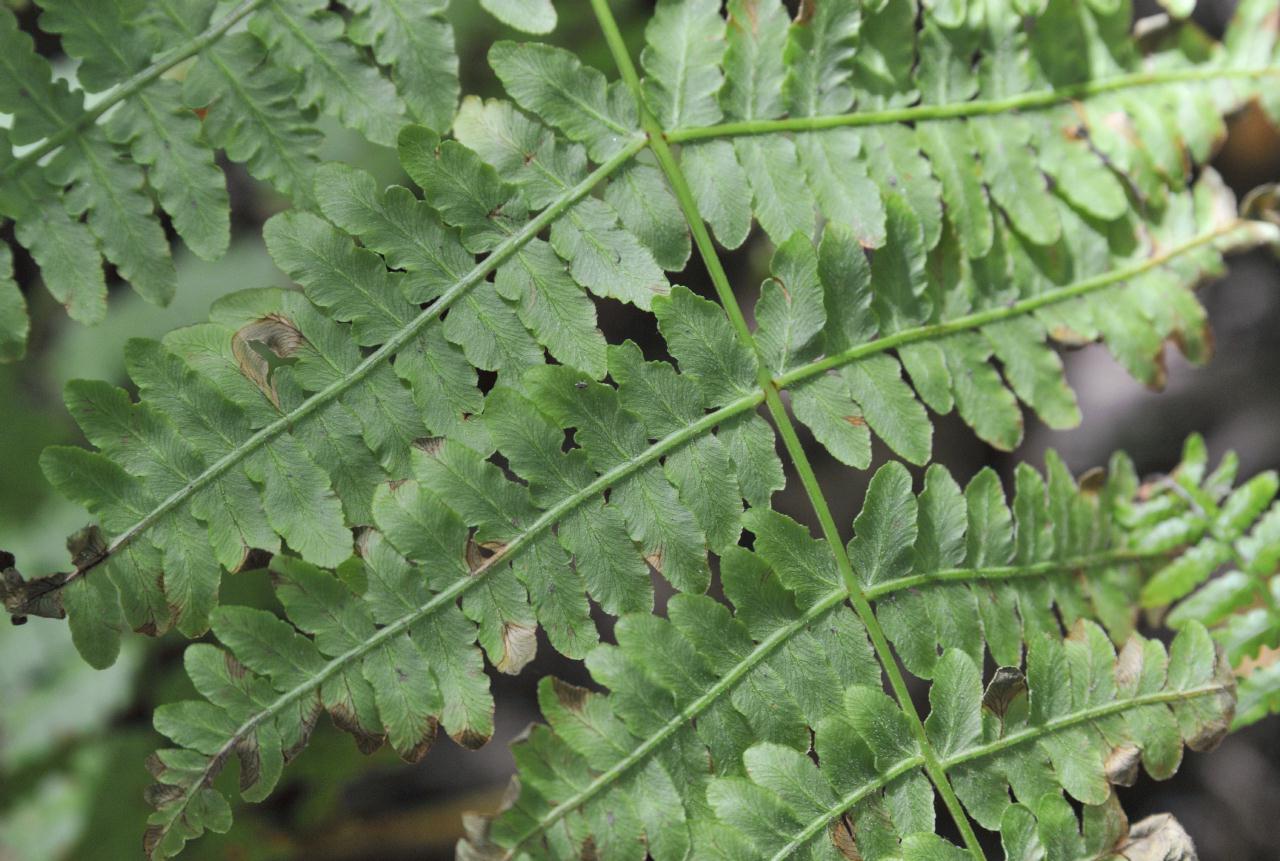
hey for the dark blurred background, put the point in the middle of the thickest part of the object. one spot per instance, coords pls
(73, 741)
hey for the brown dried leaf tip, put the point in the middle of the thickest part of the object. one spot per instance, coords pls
(519, 646)
(1158, 838)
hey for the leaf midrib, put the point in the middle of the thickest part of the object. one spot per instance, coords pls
(1035, 100)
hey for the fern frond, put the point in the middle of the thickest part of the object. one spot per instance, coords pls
(345, 426)
(792, 644)
(733, 757)
(149, 138)
(359, 417)
(1226, 579)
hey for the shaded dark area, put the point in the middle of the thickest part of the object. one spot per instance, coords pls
(334, 803)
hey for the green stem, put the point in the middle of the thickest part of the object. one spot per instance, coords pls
(959, 110)
(861, 606)
(720, 280)
(139, 81)
(1083, 716)
(845, 804)
(1007, 572)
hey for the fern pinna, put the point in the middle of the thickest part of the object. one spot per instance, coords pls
(168, 83)
(948, 188)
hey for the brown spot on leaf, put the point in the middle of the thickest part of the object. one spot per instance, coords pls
(235, 669)
(250, 758)
(419, 750)
(1210, 733)
(1076, 132)
(155, 766)
(475, 558)
(276, 335)
(1093, 480)
(570, 696)
(41, 596)
(1129, 665)
(308, 716)
(1005, 686)
(479, 554)
(856, 421)
(161, 794)
(87, 546)
(343, 718)
(151, 839)
(470, 739)
(1160, 372)
(1067, 336)
(842, 837)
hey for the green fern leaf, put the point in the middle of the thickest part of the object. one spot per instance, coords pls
(305, 36)
(706, 673)
(945, 316)
(793, 646)
(147, 139)
(415, 40)
(1227, 579)
(1022, 176)
(244, 98)
(531, 16)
